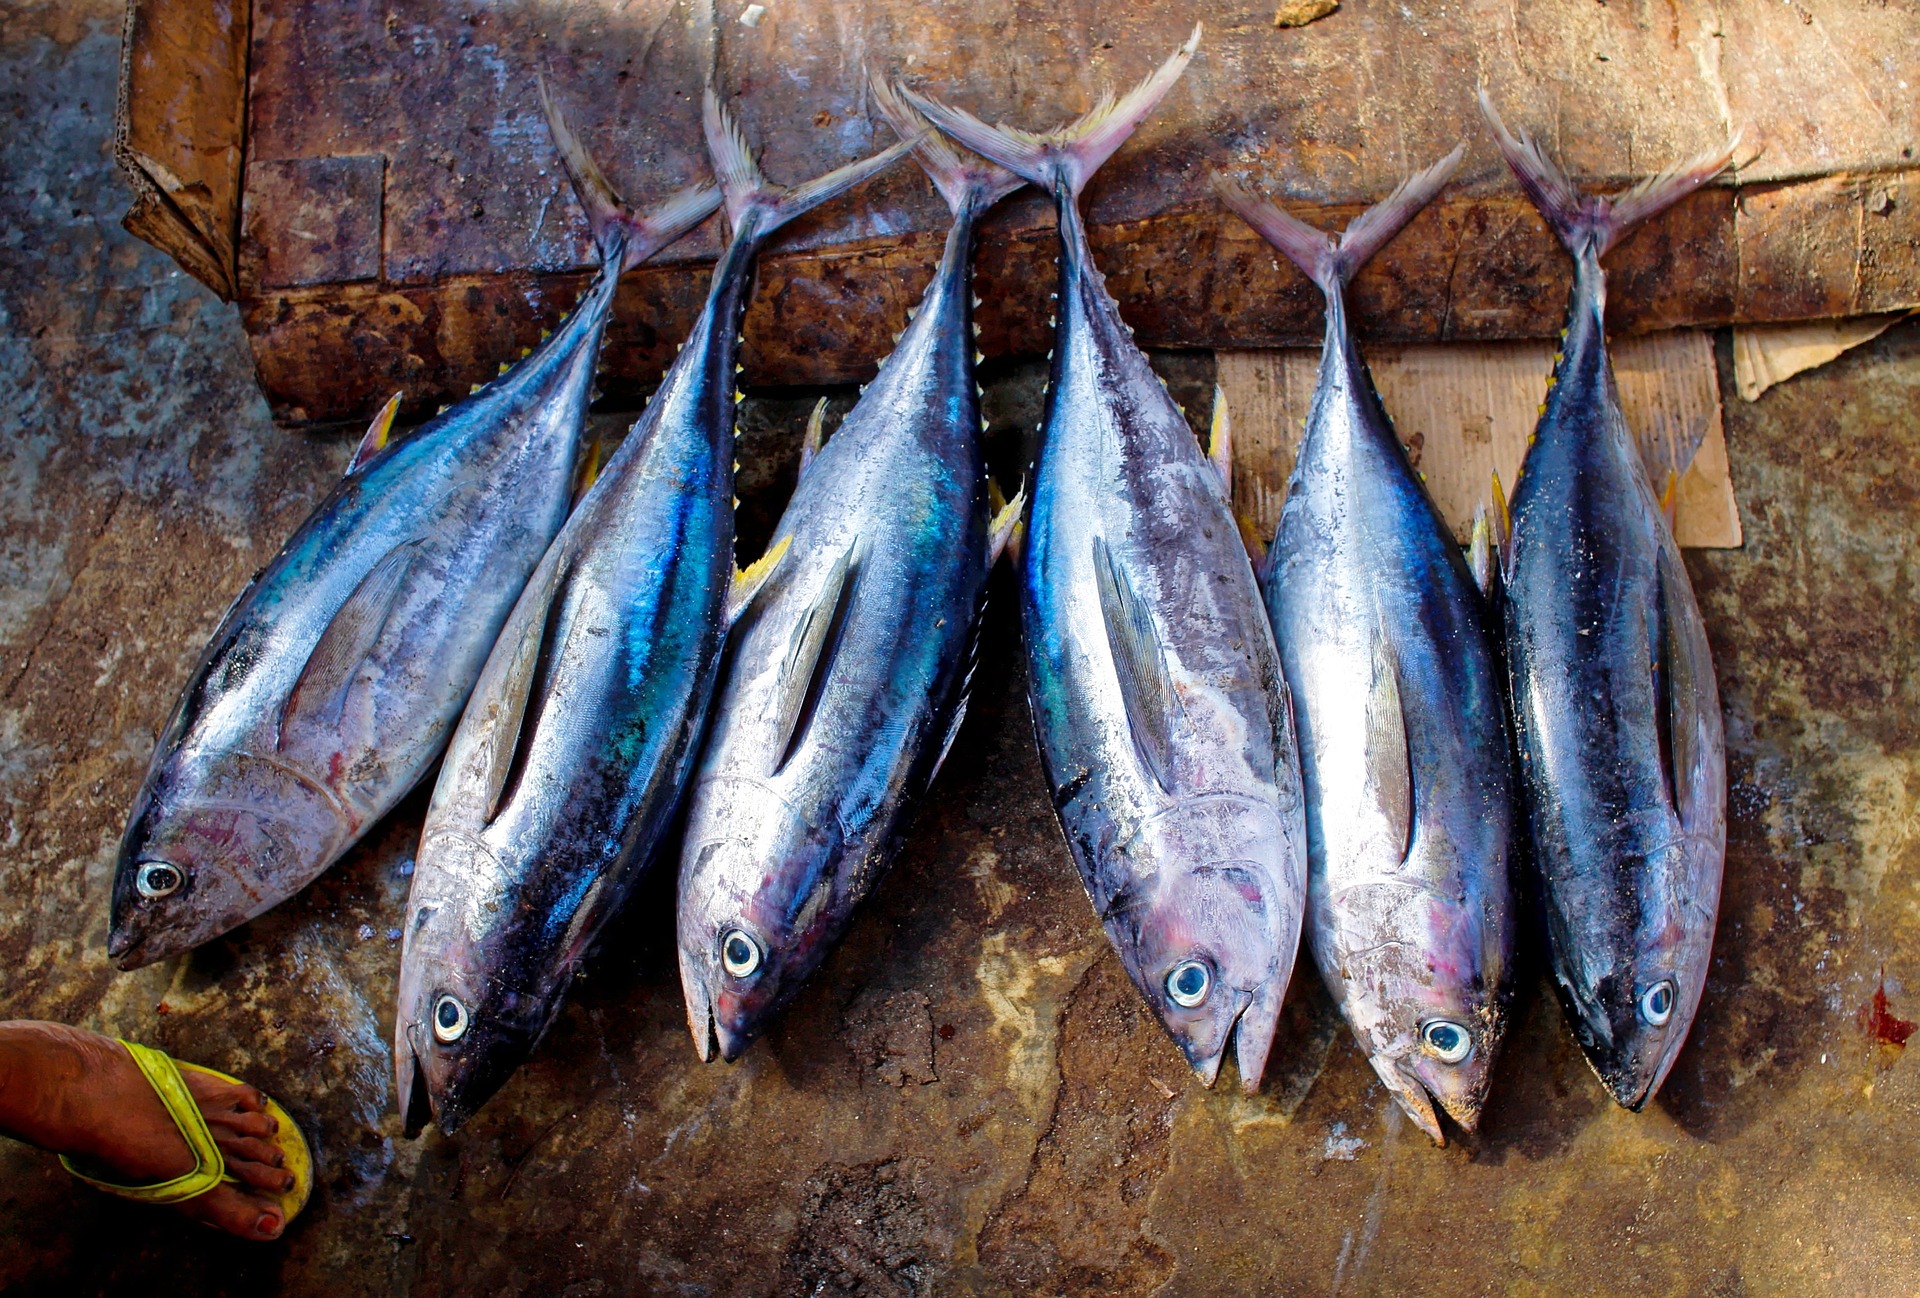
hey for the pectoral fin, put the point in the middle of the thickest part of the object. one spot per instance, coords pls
(320, 693)
(809, 661)
(1389, 761)
(1677, 667)
(536, 622)
(1140, 664)
(1220, 441)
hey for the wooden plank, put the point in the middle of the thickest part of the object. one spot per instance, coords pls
(1464, 411)
(434, 106)
(179, 129)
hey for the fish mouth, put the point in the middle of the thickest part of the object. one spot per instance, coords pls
(1413, 1097)
(416, 1103)
(1249, 1034)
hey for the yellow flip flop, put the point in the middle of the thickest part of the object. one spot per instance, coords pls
(162, 1072)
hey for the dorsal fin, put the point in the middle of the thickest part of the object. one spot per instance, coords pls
(1140, 664)
(803, 676)
(537, 622)
(321, 691)
(816, 435)
(1686, 664)
(377, 435)
(1389, 761)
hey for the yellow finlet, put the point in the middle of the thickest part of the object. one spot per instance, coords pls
(1006, 518)
(1220, 440)
(1670, 499)
(748, 581)
(590, 466)
(1502, 516)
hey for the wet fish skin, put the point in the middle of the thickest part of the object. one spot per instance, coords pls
(570, 759)
(846, 679)
(1156, 690)
(1622, 755)
(334, 680)
(1400, 697)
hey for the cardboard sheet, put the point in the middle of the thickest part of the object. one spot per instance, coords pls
(1465, 410)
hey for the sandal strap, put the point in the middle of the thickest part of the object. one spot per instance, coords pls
(209, 1166)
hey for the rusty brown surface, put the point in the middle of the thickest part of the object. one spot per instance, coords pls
(965, 1100)
(396, 152)
(180, 130)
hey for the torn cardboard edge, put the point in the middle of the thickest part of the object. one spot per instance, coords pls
(1766, 354)
(1466, 410)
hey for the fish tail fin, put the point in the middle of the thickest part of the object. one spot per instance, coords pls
(747, 189)
(1332, 263)
(1067, 158)
(964, 182)
(616, 229)
(1582, 220)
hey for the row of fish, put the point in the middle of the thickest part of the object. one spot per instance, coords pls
(1322, 736)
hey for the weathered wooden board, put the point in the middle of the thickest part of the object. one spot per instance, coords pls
(405, 223)
(1465, 411)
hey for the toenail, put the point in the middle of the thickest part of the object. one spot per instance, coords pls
(279, 1160)
(267, 1224)
(288, 1185)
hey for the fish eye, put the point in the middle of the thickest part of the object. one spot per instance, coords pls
(739, 953)
(449, 1019)
(1448, 1041)
(1189, 982)
(157, 879)
(1656, 1003)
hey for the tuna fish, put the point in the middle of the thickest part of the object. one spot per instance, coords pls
(1157, 696)
(846, 681)
(1400, 697)
(334, 680)
(1622, 759)
(568, 764)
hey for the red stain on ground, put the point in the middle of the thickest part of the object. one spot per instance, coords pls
(1882, 1026)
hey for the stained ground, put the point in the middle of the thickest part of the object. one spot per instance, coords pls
(969, 1098)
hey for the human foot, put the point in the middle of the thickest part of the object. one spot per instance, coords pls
(78, 1093)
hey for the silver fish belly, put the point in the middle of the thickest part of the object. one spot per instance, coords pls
(1622, 755)
(570, 759)
(846, 678)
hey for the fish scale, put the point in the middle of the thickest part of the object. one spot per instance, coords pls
(1156, 691)
(337, 676)
(1622, 754)
(847, 679)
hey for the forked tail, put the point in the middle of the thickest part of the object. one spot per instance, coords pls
(747, 190)
(616, 229)
(971, 182)
(1588, 220)
(1065, 159)
(1329, 262)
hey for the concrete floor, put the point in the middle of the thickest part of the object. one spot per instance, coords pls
(970, 1098)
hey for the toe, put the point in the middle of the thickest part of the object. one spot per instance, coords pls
(215, 1095)
(262, 1176)
(264, 1153)
(257, 1126)
(229, 1208)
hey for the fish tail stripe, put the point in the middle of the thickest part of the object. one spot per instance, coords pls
(745, 188)
(1581, 220)
(1332, 263)
(963, 182)
(667, 221)
(616, 230)
(1313, 251)
(1066, 158)
(1374, 228)
(1658, 192)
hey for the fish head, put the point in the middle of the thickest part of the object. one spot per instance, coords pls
(461, 1026)
(1631, 1003)
(1208, 936)
(1423, 977)
(209, 846)
(759, 909)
